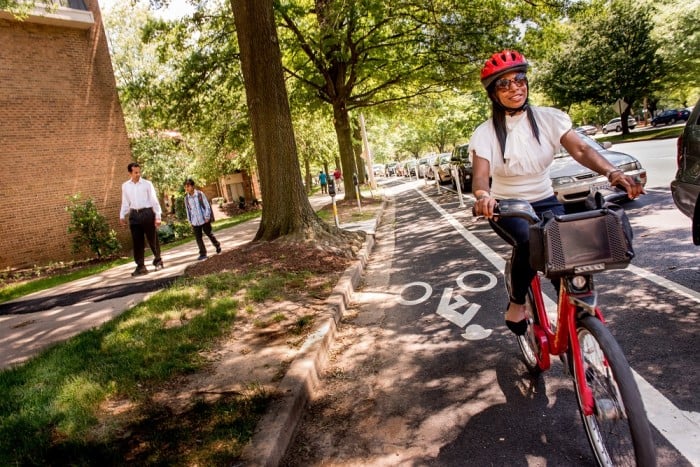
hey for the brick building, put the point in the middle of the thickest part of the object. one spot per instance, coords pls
(62, 130)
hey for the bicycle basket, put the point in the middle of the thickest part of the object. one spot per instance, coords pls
(581, 243)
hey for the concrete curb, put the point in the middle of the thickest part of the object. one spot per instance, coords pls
(276, 429)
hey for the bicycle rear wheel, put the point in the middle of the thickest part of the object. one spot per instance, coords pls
(618, 431)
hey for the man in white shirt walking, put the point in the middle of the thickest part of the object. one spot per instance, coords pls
(140, 203)
(200, 215)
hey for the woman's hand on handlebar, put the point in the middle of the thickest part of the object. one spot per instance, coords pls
(632, 185)
(485, 206)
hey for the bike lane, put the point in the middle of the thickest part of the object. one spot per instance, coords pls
(641, 307)
(426, 372)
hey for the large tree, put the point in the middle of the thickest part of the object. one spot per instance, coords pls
(359, 54)
(287, 212)
(618, 61)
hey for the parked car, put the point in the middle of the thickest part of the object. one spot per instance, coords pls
(378, 169)
(572, 182)
(684, 114)
(460, 163)
(616, 124)
(440, 165)
(685, 187)
(667, 117)
(409, 168)
(589, 130)
(422, 165)
(391, 169)
(428, 168)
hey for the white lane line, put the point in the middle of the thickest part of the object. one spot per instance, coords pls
(663, 282)
(680, 428)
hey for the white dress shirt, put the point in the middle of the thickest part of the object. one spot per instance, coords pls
(139, 195)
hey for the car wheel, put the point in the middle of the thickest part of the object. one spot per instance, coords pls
(673, 120)
(617, 128)
(605, 131)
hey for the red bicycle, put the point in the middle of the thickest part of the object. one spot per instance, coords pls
(573, 248)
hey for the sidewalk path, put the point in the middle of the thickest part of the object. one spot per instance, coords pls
(33, 323)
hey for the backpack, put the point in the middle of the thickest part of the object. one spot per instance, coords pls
(201, 205)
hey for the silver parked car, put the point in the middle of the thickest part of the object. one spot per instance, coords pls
(685, 188)
(572, 182)
(440, 165)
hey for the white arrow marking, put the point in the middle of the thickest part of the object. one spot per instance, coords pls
(449, 310)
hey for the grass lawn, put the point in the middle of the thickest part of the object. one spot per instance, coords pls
(645, 135)
(92, 399)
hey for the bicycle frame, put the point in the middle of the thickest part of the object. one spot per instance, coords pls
(559, 341)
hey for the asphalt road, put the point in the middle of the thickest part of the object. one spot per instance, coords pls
(447, 386)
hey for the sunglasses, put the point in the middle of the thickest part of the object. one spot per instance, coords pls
(519, 80)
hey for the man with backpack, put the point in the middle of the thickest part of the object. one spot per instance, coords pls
(200, 216)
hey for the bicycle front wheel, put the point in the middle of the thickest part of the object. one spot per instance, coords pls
(618, 431)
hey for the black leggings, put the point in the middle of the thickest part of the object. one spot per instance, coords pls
(516, 232)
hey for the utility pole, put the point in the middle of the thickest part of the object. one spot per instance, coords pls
(370, 163)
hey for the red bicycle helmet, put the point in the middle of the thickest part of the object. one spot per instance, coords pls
(501, 63)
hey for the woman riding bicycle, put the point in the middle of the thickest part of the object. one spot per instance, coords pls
(516, 148)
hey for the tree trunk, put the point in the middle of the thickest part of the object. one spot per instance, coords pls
(357, 146)
(307, 176)
(341, 122)
(286, 208)
(625, 115)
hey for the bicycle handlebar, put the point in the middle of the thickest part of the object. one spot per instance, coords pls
(523, 209)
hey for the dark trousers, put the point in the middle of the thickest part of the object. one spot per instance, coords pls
(204, 228)
(517, 232)
(142, 223)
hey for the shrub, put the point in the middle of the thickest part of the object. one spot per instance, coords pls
(182, 229)
(90, 228)
(166, 233)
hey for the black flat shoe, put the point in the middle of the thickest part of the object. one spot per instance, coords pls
(518, 328)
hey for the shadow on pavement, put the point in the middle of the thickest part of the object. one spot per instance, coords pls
(84, 295)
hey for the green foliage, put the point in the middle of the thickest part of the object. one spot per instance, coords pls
(619, 61)
(182, 229)
(676, 29)
(166, 233)
(90, 228)
(19, 9)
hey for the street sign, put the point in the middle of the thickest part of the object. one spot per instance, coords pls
(620, 106)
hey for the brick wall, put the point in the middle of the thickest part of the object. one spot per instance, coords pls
(62, 131)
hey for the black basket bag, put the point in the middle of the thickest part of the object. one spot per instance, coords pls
(581, 243)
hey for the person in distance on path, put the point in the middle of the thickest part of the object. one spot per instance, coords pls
(140, 203)
(200, 216)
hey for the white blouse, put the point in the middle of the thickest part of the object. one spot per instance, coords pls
(523, 170)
